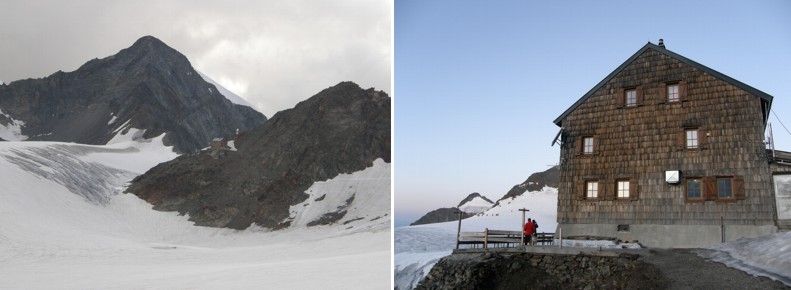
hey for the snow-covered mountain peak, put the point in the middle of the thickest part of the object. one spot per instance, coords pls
(475, 203)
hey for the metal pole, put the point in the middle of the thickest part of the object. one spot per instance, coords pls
(772, 141)
(722, 229)
(561, 238)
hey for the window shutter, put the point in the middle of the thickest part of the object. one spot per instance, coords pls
(663, 93)
(620, 97)
(639, 92)
(703, 142)
(738, 187)
(682, 91)
(596, 145)
(603, 192)
(581, 190)
(681, 139)
(578, 145)
(711, 188)
(633, 190)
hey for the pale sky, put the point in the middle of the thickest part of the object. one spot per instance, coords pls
(271, 53)
(478, 83)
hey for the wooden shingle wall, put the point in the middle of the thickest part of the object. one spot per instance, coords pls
(642, 143)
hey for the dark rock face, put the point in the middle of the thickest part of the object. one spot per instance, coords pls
(471, 197)
(342, 129)
(440, 216)
(542, 271)
(149, 85)
(536, 181)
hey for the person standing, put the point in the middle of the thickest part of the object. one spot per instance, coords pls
(528, 230)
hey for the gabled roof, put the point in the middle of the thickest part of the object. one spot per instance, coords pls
(676, 56)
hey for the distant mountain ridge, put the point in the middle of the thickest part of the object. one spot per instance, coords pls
(469, 206)
(535, 182)
(148, 86)
(342, 129)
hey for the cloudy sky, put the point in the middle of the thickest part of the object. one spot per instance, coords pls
(272, 53)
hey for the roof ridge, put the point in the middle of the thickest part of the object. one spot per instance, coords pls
(673, 55)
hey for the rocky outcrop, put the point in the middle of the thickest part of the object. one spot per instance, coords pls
(441, 215)
(542, 271)
(148, 86)
(536, 181)
(342, 129)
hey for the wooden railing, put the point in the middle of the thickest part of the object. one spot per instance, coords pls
(499, 239)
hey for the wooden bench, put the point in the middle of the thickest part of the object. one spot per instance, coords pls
(490, 238)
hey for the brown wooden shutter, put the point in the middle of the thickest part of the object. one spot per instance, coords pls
(611, 188)
(596, 145)
(602, 190)
(662, 93)
(711, 187)
(682, 91)
(703, 142)
(581, 190)
(738, 187)
(639, 93)
(634, 192)
(620, 97)
(681, 139)
(578, 145)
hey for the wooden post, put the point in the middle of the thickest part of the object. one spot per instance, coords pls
(722, 228)
(561, 237)
(486, 238)
(458, 230)
(521, 226)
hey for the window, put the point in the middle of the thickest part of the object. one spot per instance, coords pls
(623, 188)
(592, 189)
(692, 138)
(587, 145)
(631, 98)
(694, 188)
(725, 187)
(672, 93)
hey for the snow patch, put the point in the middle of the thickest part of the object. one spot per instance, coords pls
(768, 256)
(363, 195)
(225, 92)
(232, 145)
(112, 120)
(13, 130)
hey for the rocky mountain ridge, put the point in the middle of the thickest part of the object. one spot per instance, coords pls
(148, 86)
(342, 129)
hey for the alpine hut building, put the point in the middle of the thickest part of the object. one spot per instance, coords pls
(670, 153)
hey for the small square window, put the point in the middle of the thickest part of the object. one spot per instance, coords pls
(694, 188)
(672, 93)
(592, 189)
(631, 98)
(692, 138)
(623, 189)
(587, 145)
(725, 187)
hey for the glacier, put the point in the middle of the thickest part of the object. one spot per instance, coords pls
(68, 225)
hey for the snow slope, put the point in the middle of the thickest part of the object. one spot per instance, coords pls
(66, 225)
(225, 92)
(476, 205)
(768, 256)
(13, 130)
(418, 248)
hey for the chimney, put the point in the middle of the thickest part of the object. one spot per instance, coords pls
(661, 43)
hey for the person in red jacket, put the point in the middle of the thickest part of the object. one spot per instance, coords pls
(529, 229)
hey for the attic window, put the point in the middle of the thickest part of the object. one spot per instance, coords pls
(672, 93)
(631, 97)
(588, 145)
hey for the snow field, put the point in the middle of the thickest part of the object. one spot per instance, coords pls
(54, 238)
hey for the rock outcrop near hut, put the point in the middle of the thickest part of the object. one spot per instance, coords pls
(342, 129)
(148, 86)
(542, 271)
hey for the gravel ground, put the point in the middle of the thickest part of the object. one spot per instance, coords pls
(685, 270)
